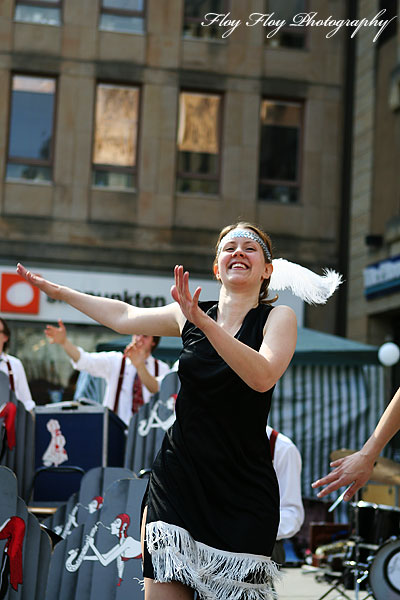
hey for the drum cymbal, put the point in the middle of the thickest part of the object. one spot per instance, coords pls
(385, 471)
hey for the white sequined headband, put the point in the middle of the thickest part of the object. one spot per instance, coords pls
(245, 233)
(307, 285)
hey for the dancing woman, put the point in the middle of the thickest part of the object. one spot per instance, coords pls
(211, 510)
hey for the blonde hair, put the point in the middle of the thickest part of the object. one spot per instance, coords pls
(263, 296)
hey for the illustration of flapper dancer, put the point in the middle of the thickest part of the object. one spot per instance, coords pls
(64, 530)
(126, 549)
(8, 412)
(154, 421)
(12, 530)
(55, 453)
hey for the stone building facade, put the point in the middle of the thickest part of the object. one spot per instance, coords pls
(69, 221)
(374, 298)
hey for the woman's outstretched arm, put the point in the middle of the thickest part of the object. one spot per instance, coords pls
(117, 315)
(356, 469)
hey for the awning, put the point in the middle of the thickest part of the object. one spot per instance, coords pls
(317, 348)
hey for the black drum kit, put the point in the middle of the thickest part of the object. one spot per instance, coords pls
(372, 553)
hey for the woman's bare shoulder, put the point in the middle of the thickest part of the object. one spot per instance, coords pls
(281, 316)
(282, 311)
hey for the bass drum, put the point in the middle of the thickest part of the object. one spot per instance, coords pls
(376, 522)
(384, 573)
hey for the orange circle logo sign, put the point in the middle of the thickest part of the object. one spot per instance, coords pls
(18, 296)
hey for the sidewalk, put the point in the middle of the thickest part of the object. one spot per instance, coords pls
(298, 584)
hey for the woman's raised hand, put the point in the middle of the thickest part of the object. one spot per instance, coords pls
(51, 289)
(354, 469)
(56, 335)
(189, 304)
(136, 353)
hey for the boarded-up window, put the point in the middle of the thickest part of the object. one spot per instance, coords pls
(198, 142)
(115, 137)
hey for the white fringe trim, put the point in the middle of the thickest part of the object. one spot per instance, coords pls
(214, 574)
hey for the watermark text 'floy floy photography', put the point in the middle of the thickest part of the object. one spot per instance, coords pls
(299, 20)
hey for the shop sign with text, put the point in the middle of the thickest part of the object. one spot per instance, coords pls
(382, 278)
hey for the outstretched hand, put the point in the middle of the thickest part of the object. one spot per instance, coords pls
(136, 353)
(51, 289)
(56, 335)
(355, 469)
(189, 304)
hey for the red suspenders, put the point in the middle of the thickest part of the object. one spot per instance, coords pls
(272, 441)
(120, 378)
(10, 374)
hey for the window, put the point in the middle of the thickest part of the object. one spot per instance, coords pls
(114, 150)
(30, 146)
(125, 16)
(280, 151)
(195, 10)
(287, 37)
(198, 143)
(44, 12)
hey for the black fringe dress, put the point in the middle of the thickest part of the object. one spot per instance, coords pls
(213, 496)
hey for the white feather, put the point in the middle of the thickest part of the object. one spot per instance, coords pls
(307, 285)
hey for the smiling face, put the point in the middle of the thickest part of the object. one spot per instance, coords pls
(241, 260)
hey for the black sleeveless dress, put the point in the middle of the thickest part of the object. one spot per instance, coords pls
(213, 496)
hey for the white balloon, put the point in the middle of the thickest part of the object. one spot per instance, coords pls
(389, 354)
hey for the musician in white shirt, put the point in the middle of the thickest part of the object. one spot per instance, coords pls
(13, 368)
(117, 368)
(287, 464)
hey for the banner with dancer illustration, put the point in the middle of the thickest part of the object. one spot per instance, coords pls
(102, 558)
(25, 549)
